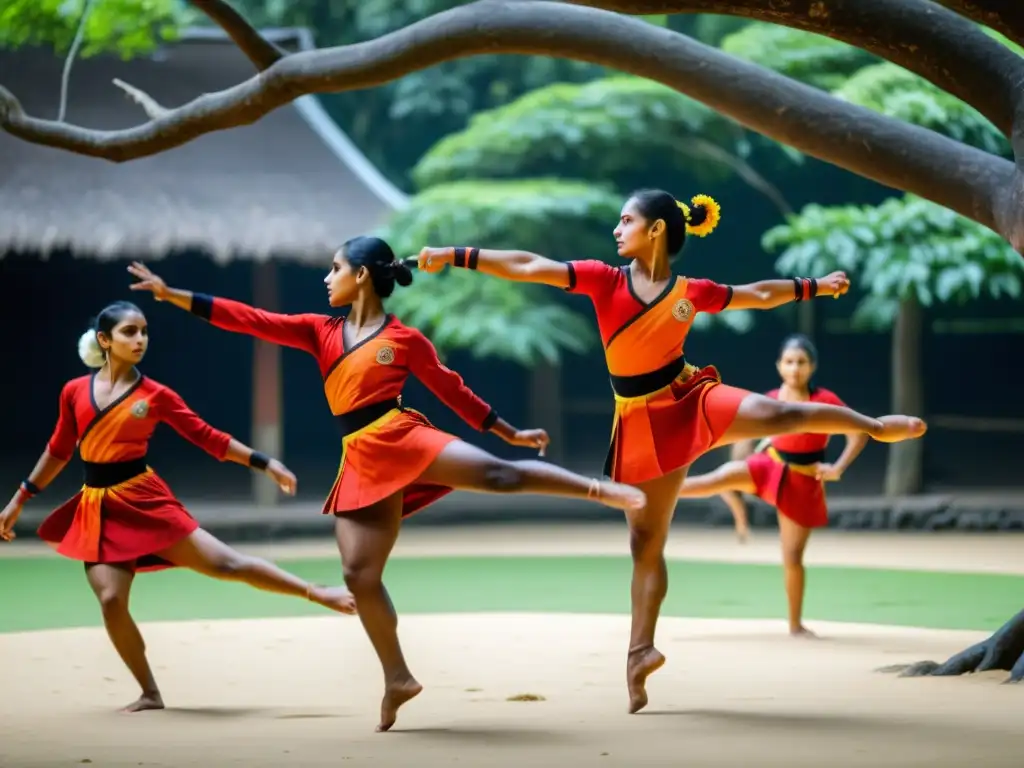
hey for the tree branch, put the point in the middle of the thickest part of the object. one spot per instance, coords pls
(918, 35)
(258, 50)
(888, 151)
(149, 105)
(1002, 16)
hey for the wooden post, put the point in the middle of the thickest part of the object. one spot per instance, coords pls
(267, 431)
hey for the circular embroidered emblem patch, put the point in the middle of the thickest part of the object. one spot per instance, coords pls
(682, 310)
(141, 409)
(386, 355)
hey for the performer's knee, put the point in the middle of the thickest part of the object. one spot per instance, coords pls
(361, 578)
(501, 476)
(113, 602)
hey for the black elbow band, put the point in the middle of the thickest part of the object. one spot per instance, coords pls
(259, 460)
(202, 305)
(489, 421)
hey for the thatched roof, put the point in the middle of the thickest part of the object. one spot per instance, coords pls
(292, 185)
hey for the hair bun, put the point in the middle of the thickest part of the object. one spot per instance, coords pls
(703, 216)
(90, 351)
(401, 272)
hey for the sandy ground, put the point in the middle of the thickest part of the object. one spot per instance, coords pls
(734, 693)
(304, 692)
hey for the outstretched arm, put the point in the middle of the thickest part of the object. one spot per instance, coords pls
(58, 452)
(519, 266)
(769, 294)
(222, 446)
(297, 331)
(451, 390)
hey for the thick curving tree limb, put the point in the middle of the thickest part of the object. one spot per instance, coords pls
(1004, 650)
(919, 35)
(260, 51)
(1000, 15)
(888, 151)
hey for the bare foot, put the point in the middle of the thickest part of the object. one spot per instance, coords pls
(335, 598)
(896, 429)
(742, 534)
(621, 496)
(639, 666)
(395, 695)
(802, 631)
(145, 702)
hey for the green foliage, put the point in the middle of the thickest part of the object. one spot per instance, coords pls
(561, 219)
(812, 59)
(907, 247)
(595, 130)
(126, 27)
(712, 29)
(487, 316)
(901, 94)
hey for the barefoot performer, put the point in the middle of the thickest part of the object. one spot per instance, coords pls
(125, 519)
(790, 474)
(668, 412)
(393, 461)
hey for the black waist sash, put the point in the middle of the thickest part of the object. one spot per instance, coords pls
(646, 383)
(112, 473)
(810, 457)
(355, 420)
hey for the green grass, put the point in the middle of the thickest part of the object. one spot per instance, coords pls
(41, 593)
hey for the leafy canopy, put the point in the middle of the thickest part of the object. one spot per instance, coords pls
(126, 27)
(905, 248)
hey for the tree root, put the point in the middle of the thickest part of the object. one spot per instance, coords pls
(1004, 649)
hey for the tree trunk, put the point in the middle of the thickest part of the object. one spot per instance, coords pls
(545, 408)
(903, 474)
(266, 386)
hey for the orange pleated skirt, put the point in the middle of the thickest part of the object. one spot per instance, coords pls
(385, 457)
(791, 488)
(128, 522)
(658, 433)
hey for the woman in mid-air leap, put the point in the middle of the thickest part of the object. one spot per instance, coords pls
(668, 412)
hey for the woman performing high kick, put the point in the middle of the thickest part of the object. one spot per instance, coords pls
(125, 519)
(789, 473)
(668, 412)
(393, 461)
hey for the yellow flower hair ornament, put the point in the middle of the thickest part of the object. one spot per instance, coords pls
(712, 215)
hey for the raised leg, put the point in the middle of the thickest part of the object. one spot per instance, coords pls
(731, 476)
(204, 553)
(365, 540)
(759, 416)
(466, 467)
(794, 540)
(648, 534)
(738, 507)
(112, 585)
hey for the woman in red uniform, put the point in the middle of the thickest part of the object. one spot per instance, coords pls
(393, 461)
(125, 519)
(668, 412)
(791, 472)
